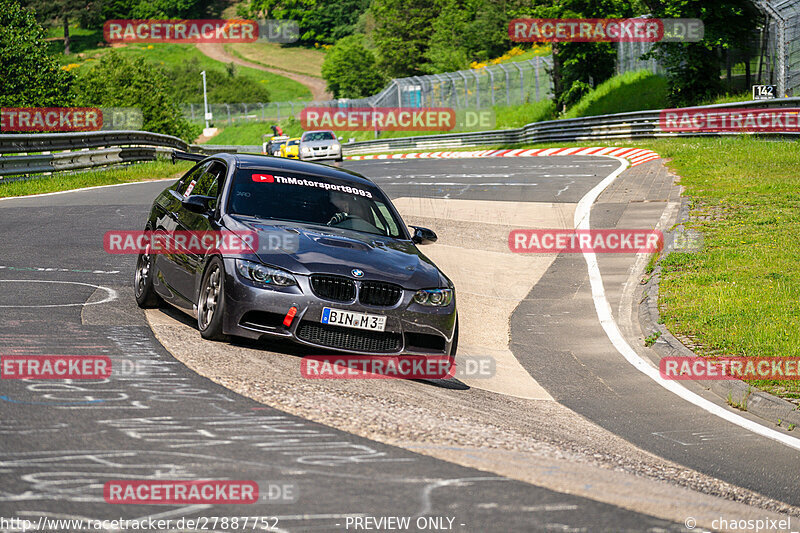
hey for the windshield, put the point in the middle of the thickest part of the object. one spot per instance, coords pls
(313, 200)
(293, 142)
(318, 136)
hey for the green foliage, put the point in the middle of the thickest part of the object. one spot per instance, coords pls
(401, 35)
(350, 69)
(154, 9)
(464, 31)
(186, 84)
(632, 91)
(693, 69)
(320, 21)
(29, 76)
(580, 66)
(117, 81)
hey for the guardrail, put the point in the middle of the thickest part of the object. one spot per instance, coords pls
(52, 152)
(633, 125)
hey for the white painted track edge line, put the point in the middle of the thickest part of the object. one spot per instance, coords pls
(609, 325)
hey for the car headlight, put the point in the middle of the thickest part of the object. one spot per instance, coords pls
(264, 275)
(305, 150)
(434, 297)
(334, 147)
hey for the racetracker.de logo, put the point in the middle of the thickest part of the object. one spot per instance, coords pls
(200, 31)
(69, 119)
(724, 368)
(55, 367)
(379, 118)
(734, 120)
(181, 242)
(614, 241)
(633, 30)
(377, 367)
(180, 492)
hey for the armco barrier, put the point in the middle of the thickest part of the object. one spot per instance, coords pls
(52, 152)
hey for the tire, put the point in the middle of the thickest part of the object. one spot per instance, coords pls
(146, 296)
(211, 301)
(339, 159)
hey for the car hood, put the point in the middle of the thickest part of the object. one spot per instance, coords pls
(309, 249)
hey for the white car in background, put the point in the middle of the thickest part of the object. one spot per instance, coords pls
(320, 144)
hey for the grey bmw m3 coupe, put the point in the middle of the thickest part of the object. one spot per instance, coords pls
(330, 263)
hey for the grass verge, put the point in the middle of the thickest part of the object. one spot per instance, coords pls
(632, 91)
(64, 182)
(738, 296)
(295, 59)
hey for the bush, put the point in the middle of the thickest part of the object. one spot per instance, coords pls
(350, 69)
(30, 77)
(116, 81)
(186, 85)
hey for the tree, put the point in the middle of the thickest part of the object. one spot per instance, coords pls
(350, 69)
(693, 69)
(401, 35)
(117, 81)
(320, 21)
(578, 67)
(30, 77)
(66, 10)
(464, 31)
(157, 9)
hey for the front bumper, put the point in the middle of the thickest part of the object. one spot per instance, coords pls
(411, 329)
(316, 155)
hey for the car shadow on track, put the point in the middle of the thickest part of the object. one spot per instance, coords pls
(285, 347)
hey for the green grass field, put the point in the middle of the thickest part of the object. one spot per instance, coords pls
(155, 170)
(738, 296)
(86, 50)
(290, 58)
(632, 91)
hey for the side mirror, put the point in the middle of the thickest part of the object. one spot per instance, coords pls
(339, 137)
(423, 236)
(197, 203)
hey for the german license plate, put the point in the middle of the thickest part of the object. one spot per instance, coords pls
(350, 319)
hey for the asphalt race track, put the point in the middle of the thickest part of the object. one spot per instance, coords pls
(62, 294)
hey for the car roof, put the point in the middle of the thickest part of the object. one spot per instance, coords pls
(277, 164)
